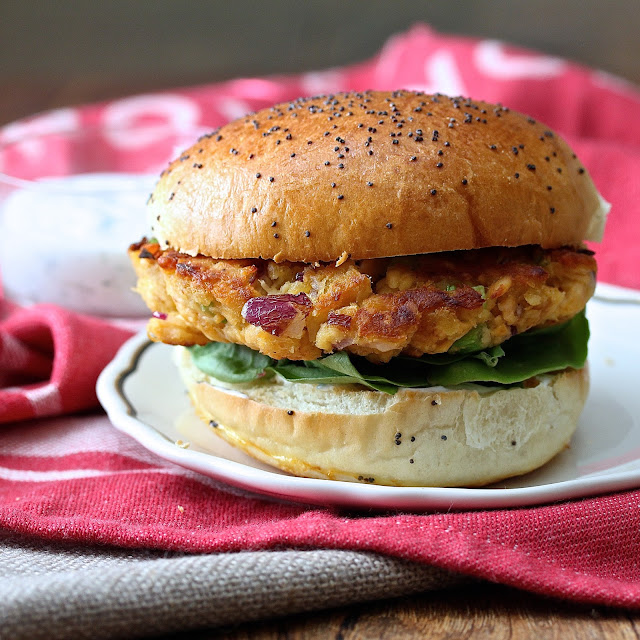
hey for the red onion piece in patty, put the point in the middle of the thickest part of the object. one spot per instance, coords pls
(339, 319)
(275, 313)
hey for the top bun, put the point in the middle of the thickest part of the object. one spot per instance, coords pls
(372, 175)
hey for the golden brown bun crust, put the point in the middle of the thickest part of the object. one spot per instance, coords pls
(414, 438)
(374, 174)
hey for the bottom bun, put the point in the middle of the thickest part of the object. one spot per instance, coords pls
(418, 437)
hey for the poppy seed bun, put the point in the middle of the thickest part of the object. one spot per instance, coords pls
(371, 175)
(414, 438)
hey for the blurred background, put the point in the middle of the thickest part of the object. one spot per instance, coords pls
(59, 53)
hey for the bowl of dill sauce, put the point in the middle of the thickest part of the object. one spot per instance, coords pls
(70, 205)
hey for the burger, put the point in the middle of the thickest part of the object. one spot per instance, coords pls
(379, 287)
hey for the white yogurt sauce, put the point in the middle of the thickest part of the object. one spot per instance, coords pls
(64, 241)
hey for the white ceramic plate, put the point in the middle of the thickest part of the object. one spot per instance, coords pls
(144, 397)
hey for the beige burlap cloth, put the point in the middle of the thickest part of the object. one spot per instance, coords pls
(55, 591)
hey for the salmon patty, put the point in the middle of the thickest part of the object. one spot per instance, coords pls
(379, 308)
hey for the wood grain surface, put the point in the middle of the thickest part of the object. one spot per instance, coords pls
(479, 610)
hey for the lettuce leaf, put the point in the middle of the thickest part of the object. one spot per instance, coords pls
(230, 362)
(338, 368)
(525, 356)
(519, 358)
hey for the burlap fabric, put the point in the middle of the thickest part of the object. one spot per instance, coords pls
(54, 591)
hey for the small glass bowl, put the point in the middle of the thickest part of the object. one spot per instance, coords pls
(70, 204)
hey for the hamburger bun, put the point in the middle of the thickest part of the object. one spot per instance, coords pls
(417, 437)
(339, 177)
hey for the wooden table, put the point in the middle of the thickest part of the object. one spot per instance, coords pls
(480, 610)
(477, 610)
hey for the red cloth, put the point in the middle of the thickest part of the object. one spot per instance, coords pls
(50, 359)
(77, 478)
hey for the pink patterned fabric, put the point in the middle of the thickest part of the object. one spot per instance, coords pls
(74, 477)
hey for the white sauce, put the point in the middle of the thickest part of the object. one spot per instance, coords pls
(597, 222)
(64, 241)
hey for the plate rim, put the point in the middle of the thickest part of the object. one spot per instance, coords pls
(121, 413)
